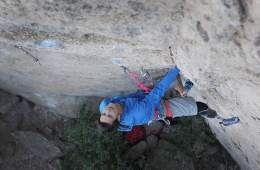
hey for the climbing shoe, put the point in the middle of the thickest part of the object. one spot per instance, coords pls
(204, 110)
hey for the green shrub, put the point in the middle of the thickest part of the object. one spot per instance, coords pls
(89, 149)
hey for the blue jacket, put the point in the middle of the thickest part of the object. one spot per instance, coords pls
(139, 108)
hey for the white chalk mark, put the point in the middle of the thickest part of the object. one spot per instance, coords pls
(118, 61)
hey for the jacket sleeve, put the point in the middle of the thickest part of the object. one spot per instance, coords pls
(137, 95)
(159, 90)
(124, 128)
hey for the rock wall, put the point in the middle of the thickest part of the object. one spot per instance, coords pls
(216, 44)
(219, 49)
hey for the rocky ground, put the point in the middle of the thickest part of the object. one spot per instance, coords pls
(189, 145)
(30, 136)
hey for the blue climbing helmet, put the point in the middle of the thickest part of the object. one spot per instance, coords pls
(115, 99)
(103, 104)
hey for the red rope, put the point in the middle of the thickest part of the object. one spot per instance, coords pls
(135, 78)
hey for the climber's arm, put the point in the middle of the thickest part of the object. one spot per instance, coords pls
(179, 86)
(159, 90)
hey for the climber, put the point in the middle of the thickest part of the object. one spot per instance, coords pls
(140, 108)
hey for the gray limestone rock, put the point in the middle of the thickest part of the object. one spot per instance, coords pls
(37, 145)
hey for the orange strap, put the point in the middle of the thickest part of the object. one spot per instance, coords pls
(168, 109)
(156, 113)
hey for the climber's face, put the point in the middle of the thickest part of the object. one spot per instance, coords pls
(110, 114)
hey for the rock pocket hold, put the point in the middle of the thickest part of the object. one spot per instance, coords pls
(48, 43)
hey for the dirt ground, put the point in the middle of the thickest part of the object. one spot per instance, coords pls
(187, 145)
